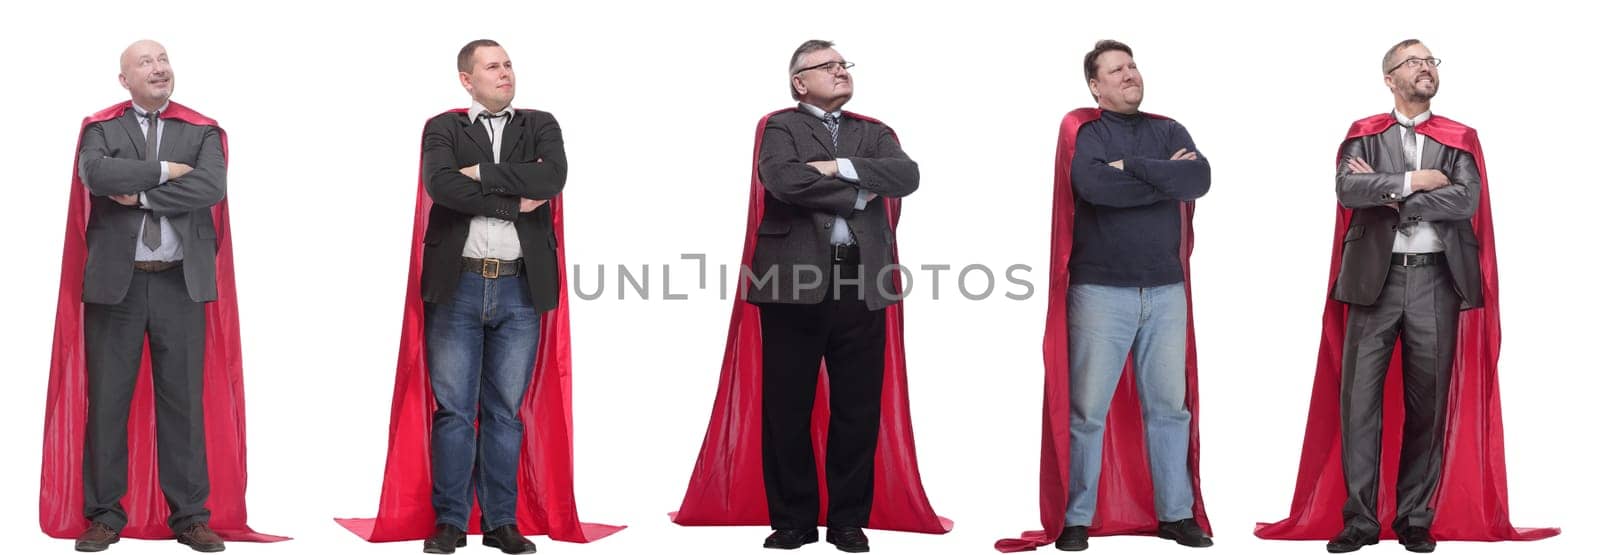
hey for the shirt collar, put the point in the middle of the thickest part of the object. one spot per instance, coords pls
(472, 113)
(1422, 117)
(141, 111)
(818, 113)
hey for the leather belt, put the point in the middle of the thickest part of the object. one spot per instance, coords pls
(491, 267)
(156, 265)
(846, 253)
(1416, 258)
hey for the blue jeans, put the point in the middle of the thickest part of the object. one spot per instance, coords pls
(1107, 323)
(481, 346)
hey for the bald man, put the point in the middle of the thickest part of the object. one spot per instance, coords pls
(151, 268)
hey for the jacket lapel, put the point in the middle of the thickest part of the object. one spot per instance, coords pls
(515, 130)
(851, 133)
(130, 123)
(819, 131)
(171, 130)
(1432, 154)
(478, 135)
(1394, 148)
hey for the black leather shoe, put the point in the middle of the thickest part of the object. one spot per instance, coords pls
(849, 539)
(1351, 539)
(97, 537)
(1073, 538)
(445, 539)
(790, 538)
(1417, 540)
(1186, 532)
(508, 540)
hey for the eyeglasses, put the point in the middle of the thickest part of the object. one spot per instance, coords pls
(1414, 63)
(828, 67)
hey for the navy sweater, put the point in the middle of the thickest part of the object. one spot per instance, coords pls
(1126, 228)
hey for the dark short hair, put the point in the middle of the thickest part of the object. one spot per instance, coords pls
(1091, 61)
(464, 59)
(806, 47)
(1388, 56)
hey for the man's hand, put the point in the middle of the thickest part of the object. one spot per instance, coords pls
(1117, 164)
(527, 205)
(1357, 165)
(829, 168)
(1185, 154)
(1428, 180)
(177, 169)
(472, 173)
(127, 200)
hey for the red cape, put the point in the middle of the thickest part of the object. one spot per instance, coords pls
(727, 487)
(66, 407)
(1126, 503)
(1471, 499)
(545, 503)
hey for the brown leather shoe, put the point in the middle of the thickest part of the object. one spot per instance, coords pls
(200, 537)
(97, 538)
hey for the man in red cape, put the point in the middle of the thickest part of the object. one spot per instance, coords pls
(814, 205)
(1149, 397)
(509, 167)
(1414, 236)
(128, 496)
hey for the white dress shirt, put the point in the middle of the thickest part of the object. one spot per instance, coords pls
(1423, 236)
(171, 248)
(492, 237)
(847, 171)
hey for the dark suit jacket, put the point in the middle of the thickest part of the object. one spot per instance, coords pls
(1369, 241)
(111, 162)
(801, 204)
(533, 164)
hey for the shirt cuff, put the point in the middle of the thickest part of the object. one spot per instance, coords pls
(1405, 188)
(847, 170)
(164, 175)
(142, 203)
(862, 196)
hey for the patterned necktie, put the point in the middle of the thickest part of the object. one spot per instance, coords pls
(1408, 140)
(844, 237)
(151, 235)
(832, 122)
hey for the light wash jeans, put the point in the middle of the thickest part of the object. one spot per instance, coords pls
(1107, 324)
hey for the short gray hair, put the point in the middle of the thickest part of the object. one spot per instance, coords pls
(800, 53)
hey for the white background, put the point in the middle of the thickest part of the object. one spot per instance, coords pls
(324, 104)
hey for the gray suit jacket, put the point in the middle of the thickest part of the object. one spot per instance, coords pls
(111, 162)
(1369, 241)
(793, 240)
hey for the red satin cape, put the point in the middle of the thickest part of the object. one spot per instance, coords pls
(1471, 500)
(545, 501)
(1126, 501)
(727, 487)
(66, 407)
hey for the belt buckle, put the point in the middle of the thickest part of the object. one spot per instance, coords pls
(491, 274)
